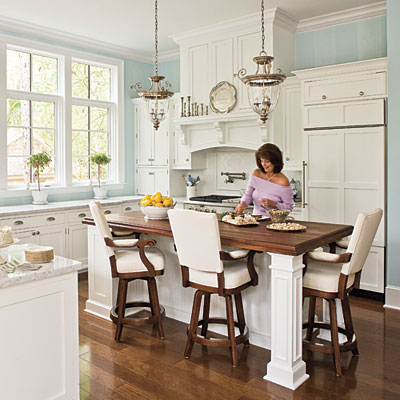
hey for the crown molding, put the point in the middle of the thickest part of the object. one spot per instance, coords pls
(169, 55)
(342, 17)
(13, 26)
(271, 16)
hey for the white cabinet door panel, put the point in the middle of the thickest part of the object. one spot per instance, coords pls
(78, 243)
(55, 237)
(160, 145)
(161, 181)
(199, 73)
(144, 136)
(324, 205)
(372, 275)
(222, 61)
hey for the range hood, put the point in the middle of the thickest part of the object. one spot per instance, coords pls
(213, 54)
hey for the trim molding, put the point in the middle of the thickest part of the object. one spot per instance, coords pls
(342, 17)
(169, 55)
(10, 25)
(392, 297)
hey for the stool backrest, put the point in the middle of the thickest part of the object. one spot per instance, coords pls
(361, 240)
(101, 224)
(197, 240)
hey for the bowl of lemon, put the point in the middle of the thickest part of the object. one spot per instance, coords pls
(156, 206)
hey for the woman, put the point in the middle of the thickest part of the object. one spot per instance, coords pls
(267, 186)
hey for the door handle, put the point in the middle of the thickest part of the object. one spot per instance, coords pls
(51, 219)
(303, 203)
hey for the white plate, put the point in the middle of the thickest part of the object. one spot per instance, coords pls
(16, 240)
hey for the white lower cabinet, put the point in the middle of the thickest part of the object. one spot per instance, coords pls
(150, 180)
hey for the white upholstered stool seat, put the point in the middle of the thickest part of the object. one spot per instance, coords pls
(235, 272)
(210, 270)
(331, 277)
(130, 261)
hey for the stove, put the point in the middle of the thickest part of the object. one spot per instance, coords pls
(213, 198)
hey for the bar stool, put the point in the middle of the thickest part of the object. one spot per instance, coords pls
(211, 271)
(333, 276)
(131, 259)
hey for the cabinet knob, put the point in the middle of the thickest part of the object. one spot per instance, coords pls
(82, 215)
(51, 219)
(128, 208)
(18, 222)
(362, 93)
(323, 97)
(33, 233)
(287, 158)
(37, 233)
(107, 212)
(187, 160)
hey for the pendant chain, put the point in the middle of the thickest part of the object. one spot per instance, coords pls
(156, 37)
(262, 26)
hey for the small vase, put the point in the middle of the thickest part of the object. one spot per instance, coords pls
(191, 191)
(100, 193)
(39, 197)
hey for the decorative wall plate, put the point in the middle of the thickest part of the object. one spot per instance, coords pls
(223, 97)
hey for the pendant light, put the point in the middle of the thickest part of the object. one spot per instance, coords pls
(157, 96)
(263, 87)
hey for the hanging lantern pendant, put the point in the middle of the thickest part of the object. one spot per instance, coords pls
(157, 96)
(263, 87)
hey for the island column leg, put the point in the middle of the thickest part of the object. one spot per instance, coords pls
(286, 367)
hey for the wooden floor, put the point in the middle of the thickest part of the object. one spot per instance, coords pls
(144, 367)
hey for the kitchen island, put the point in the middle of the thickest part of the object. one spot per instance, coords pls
(273, 309)
(39, 330)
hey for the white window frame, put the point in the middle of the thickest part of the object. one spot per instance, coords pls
(63, 116)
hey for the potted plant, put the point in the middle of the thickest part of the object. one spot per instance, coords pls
(39, 161)
(100, 159)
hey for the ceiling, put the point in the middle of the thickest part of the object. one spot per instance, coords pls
(130, 23)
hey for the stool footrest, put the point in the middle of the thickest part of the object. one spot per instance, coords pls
(136, 320)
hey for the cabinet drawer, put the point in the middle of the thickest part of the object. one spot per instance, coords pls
(356, 113)
(19, 223)
(345, 87)
(76, 216)
(132, 206)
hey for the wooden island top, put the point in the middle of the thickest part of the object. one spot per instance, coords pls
(246, 237)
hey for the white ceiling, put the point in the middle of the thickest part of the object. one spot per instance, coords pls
(130, 23)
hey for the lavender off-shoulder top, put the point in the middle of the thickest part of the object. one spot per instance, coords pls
(259, 188)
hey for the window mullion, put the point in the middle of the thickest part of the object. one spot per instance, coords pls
(67, 130)
(3, 117)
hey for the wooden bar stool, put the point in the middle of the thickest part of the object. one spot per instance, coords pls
(333, 276)
(131, 259)
(211, 271)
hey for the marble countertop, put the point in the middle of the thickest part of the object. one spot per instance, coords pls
(59, 266)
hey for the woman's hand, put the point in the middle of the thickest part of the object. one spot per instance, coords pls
(240, 207)
(267, 203)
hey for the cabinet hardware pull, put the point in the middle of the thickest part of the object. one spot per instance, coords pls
(362, 93)
(323, 97)
(18, 222)
(287, 158)
(33, 233)
(304, 185)
(82, 215)
(187, 160)
(37, 233)
(151, 173)
(51, 219)
(128, 208)
(107, 212)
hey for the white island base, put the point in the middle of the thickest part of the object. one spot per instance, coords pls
(283, 314)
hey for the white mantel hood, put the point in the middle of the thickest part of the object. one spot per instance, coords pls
(213, 54)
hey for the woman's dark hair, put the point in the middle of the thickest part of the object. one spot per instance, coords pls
(270, 152)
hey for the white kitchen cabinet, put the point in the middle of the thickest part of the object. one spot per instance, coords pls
(151, 180)
(152, 146)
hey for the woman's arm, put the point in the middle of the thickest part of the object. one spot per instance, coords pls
(247, 198)
(286, 202)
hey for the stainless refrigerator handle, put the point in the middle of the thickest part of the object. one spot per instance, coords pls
(304, 185)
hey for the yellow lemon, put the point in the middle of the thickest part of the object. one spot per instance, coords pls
(145, 202)
(167, 203)
(147, 197)
(159, 204)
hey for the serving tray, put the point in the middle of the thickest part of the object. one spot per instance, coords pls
(248, 224)
(286, 227)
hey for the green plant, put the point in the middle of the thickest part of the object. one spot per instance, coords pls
(39, 161)
(100, 159)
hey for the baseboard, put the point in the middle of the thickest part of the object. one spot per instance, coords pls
(368, 294)
(256, 338)
(392, 297)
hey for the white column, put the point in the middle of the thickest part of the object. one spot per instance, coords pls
(286, 367)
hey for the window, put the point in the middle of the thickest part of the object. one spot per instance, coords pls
(90, 119)
(64, 102)
(31, 109)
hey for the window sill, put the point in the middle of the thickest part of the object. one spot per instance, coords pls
(23, 192)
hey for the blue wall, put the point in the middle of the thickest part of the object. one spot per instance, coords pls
(171, 71)
(134, 71)
(355, 41)
(393, 145)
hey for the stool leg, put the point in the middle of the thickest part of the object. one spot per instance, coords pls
(311, 316)
(231, 329)
(194, 320)
(206, 314)
(155, 306)
(122, 289)
(240, 314)
(335, 337)
(348, 323)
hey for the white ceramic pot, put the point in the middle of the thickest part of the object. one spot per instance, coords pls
(191, 191)
(100, 193)
(39, 197)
